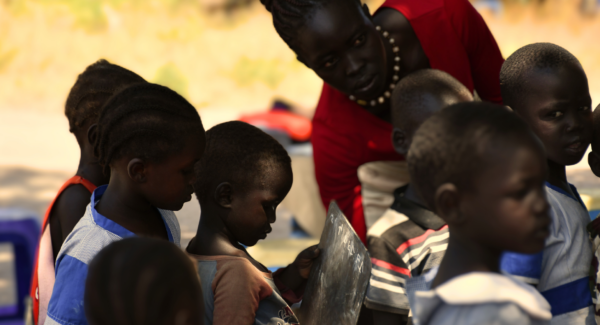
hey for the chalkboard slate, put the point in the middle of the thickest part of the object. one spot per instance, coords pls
(338, 280)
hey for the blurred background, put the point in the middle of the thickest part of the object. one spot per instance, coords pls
(225, 57)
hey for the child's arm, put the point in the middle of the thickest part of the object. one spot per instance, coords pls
(292, 279)
(66, 212)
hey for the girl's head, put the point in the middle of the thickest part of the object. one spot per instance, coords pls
(150, 137)
(143, 281)
(92, 89)
(337, 39)
(243, 176)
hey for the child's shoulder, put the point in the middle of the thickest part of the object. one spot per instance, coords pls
(479, 297)
(86, 239)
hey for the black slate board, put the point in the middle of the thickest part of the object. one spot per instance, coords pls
(338, 280)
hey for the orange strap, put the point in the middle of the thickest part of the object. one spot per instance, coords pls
(75, 180)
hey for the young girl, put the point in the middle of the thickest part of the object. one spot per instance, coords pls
(92, 89)
(143, 281)
(149, 138)
(244, 175)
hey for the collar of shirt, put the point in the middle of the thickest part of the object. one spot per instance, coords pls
(103, 221)
(480, 288)
(416, 212)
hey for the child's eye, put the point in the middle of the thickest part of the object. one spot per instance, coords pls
(330, 63)
(358, 41)
(556, 114)
(584, 108)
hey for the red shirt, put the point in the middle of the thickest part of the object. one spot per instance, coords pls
(456, 40)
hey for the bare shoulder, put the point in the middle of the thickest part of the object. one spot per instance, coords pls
(70, 206)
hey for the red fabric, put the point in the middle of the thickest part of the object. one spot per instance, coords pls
(34, 282)
(456, 40)
(298, 127)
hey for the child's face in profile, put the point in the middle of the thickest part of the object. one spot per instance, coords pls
(506, 207)
(253, 210)
(169, 183)
(558, 109)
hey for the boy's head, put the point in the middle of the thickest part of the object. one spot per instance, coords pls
(92, 89)
(243, 176)
(151, 137)
(594, 156)
(338, 41)
(142, 281)
(482, 170)
(419, 95)
(545, 85)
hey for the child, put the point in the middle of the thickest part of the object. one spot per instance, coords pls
(150, 138)
(482, 170)
(546, 86)
(142, 281)
(409, 239)
(243, 176)
(594, 226)
(92, 89)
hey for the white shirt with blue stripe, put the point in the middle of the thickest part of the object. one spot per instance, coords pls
(561, 270)
(92, 233)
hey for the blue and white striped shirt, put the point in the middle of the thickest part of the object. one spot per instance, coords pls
(561, 270)
(92, 233)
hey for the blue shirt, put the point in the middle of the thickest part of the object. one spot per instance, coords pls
(92, 233)
(561, 270)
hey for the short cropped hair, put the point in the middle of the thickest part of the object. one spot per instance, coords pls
(596, 137)
(529, 58)
(238, 153)
(450, 146)
(146, 121)
(412, 89)
(140, 281)
(92, 89)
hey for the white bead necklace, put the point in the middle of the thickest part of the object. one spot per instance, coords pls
(386, 94)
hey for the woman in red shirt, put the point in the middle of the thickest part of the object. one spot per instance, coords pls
(361, 57)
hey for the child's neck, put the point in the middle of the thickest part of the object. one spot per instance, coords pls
(464, 256)
(557, 176)
(92, 171)
(213, 238)
(124, 205)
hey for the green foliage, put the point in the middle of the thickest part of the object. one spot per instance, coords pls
(170, 76)
(270, 72)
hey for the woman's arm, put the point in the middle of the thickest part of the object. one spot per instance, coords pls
(483, 52)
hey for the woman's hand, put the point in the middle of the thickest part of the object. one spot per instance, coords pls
(305, 259)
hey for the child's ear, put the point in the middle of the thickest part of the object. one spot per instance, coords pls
(92, 134)
(594, 162)
(400, 141)
(447, 204)
(223, 194)
(366, 11)
(136, 168)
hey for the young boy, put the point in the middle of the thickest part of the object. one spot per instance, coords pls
(482, 170)
(409, 239)
(546, 86)
(243, 176)
(150, 138)
(143, 281)
(92, 89)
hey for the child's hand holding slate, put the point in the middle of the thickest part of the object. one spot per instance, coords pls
(297, 272)
(305, 259)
